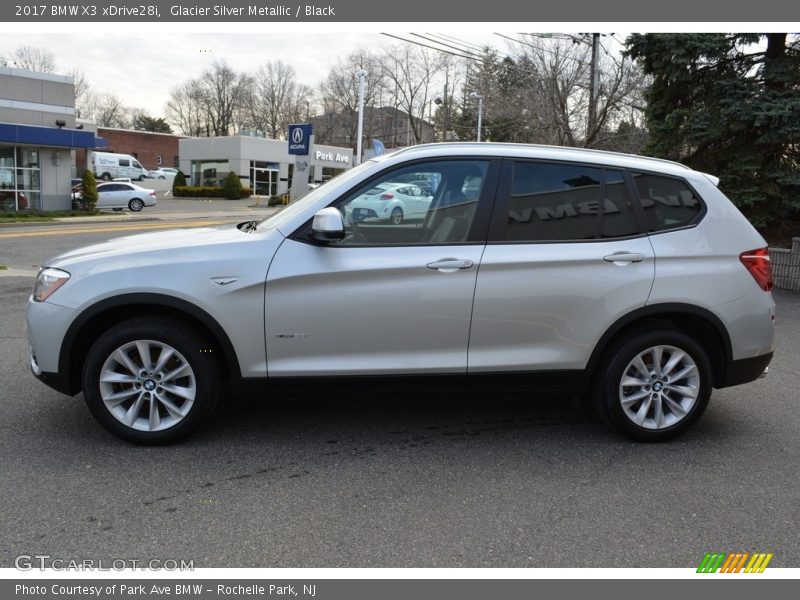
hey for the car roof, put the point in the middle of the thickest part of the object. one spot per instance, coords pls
(542, 152)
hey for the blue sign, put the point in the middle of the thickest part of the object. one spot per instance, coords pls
(378, 146)
(300, 139)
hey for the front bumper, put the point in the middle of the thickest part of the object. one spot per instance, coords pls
(46, 325)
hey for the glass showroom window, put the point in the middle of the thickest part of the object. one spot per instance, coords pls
(20, 178)
(209, 172)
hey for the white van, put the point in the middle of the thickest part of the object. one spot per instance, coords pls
(108, 166)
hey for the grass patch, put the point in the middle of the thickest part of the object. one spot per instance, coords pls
(32, 216)
(3, 268)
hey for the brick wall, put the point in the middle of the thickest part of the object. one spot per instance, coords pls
(144, 145)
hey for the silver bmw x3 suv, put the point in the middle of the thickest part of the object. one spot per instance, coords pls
(627, 280)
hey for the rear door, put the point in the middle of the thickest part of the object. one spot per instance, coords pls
(566, 257)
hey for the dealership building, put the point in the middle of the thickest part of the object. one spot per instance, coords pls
(262, 164)
(38, 137)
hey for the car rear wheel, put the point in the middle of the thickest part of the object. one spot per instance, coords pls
(656, 385)
(150, 381)
(397, 215)
(135, 205)
(106, 177)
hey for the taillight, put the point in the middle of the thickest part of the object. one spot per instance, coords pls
(758, 263)
(387, 196)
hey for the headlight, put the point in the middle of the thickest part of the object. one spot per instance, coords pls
(47, 282)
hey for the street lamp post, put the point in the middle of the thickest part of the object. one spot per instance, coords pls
(362, 75)
(479, 98)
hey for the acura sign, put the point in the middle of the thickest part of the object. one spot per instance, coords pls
(299, 139)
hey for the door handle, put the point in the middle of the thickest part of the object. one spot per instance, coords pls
(450, 265)
(624, 257)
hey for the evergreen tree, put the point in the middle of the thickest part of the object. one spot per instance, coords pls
(232, 190)
(729, 104)
(89, 191)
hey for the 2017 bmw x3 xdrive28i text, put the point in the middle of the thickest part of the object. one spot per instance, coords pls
(631, 280)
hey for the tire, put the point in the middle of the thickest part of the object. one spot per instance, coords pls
(135, 205)
(655, 406)
(161, 177)
(120, 389)
(106, 177)
(397, 215)
(8, 205)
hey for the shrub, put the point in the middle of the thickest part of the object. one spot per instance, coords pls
(89, 192)
(232, 189)
(179, 181)
(191, 191)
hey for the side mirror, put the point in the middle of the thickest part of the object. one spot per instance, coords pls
(328, 225)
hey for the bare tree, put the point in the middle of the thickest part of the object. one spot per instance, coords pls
(184, 109)
(411, 72)
(338, 95)
(36, 59)
(210, 105)
(110, 112)
(220, 92)
(273, 92)
(560, 89)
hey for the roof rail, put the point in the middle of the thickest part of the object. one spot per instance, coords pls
(546, 146)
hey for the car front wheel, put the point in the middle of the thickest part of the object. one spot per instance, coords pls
(656, 385)
(150, 380)
(136, 205)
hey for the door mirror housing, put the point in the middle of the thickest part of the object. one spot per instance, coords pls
(328, 225)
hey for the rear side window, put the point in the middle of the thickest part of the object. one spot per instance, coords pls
(667, 203)
(124, 162)
(553, 202)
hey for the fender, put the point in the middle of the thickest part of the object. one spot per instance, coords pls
(175, 305)
(661, 309)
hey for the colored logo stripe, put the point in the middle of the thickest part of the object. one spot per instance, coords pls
(733, 563)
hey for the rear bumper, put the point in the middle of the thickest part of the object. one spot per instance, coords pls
(746, 370)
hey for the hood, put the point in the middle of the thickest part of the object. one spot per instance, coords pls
(146, 246)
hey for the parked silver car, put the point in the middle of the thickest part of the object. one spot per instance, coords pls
(118, 195)
(627, 280)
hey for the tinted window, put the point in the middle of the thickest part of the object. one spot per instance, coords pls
(124, 162)
(667, 203)
(552, 202)
(390, 211)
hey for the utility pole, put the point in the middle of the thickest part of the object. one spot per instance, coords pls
(362, 74)
(594, 87)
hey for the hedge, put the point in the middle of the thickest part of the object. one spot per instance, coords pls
(190, 191)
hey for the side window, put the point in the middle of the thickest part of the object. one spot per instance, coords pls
(124, 162)
(437, 208)
(555, 202)
(667, 203)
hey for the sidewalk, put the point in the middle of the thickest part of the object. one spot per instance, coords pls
(214, 209)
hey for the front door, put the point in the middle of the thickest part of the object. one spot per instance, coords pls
(391, 298)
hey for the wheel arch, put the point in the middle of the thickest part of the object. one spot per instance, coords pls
(699, 323)
(107, 313)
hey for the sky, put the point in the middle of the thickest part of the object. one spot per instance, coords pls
(140, 66)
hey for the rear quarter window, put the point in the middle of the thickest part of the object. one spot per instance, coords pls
(667, 203)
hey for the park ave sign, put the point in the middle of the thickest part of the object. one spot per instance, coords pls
(331, 156)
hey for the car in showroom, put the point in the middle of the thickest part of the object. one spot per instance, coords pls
(630, 282)
(117, 195)
(163, 173)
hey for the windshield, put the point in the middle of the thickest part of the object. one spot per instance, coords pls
(296, 207)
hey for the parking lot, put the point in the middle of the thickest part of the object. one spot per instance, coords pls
(400, 480)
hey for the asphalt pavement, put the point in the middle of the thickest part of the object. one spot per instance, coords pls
(396, 480)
